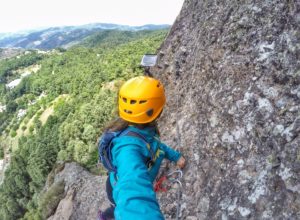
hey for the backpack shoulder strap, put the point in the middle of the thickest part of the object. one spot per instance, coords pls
(140, 136)
(149, 161)
(135, 134)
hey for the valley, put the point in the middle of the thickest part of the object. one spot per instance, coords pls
(54, 104)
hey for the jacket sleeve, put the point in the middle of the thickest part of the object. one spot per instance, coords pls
(170, 154)
(133, 192)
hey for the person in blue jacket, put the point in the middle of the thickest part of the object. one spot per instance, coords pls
(137, 157)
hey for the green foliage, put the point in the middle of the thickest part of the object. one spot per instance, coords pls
(11, 107)
(8, 65)
(51, 198)
(31, 128)
(4, 120)
(33, 214)
(14, 192)
(114, 38)
(26, 120)
(1, 152)
(13, 133)
(79, 132)
(81, 84)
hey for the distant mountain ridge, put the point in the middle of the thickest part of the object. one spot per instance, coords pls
(64, 36)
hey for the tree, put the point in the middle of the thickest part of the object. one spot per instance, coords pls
(81, 78)
(11, 106)
(1, 152)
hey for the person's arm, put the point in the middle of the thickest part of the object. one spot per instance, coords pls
(133, 193)
(173, 155)
(170, 153)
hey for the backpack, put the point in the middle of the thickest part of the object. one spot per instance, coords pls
(105, 146)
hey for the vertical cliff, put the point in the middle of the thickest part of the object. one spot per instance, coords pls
(232, 75)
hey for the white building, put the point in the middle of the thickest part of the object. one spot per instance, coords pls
(2, 108)
(21, 113)
(16, 82)
(13, 84)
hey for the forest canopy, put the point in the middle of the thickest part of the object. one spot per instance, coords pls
(66, 102)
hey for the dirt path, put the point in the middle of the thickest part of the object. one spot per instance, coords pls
(45, 115)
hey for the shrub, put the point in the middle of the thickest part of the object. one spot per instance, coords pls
(1, 152)
(50, 200)
(31, 128)
(13, 134)
(26, 120)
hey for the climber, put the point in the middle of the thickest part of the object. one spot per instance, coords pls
(137, 153)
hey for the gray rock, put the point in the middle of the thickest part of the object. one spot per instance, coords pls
(232, 85)
(231, 75)
(84, 194)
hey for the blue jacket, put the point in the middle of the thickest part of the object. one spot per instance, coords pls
(133, 189)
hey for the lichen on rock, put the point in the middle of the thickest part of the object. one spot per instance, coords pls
(84, 193)
(232, 83)
(231, 72)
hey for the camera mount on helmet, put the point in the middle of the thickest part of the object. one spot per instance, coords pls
(148, 60)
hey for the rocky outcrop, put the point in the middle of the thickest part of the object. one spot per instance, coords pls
(83, 195)
(232, 75)
(231, 71)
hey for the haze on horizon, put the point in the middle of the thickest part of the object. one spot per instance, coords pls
(17, 15)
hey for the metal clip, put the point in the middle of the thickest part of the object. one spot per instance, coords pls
(178, 177)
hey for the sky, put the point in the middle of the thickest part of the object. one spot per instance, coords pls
(16, 15)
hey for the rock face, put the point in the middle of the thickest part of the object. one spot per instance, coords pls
(232, 75)
(84, 194)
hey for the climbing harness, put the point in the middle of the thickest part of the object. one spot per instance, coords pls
(172, 177)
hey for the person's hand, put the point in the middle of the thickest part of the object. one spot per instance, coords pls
(181, 162)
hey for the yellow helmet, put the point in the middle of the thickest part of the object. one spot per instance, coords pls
(141, 99)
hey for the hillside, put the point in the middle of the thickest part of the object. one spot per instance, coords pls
(9, 52)
(231, 75)
(53, 105)
(113, 38)
(66, 37)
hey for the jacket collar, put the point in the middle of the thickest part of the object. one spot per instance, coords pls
(146, 132)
